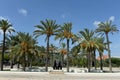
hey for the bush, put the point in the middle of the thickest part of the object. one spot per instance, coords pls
(115, 62)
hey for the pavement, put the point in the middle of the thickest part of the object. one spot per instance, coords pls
(8, 75)
(20, 75)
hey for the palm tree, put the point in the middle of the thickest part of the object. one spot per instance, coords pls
(48, 28)
(11, 41)
(101, 49)
(52, 49)
(75, 54)
(89, 44)
(106, 28)
(66, 33)
(5, 26)
(63, 52)
(42, 55)
(24, 48)
(86, 44)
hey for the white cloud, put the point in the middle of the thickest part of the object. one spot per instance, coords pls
(96, 23)
(112, 18)
(23, 12)
(1, 17)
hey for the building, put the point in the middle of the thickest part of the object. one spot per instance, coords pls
(103, 57)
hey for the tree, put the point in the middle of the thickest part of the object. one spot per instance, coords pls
(101, 50)
(89, 43)
(86, 44)
(63, 52)
(11, 41)
(52, 50)
(24, 49)
(42, 55)
(5, 26)
(48, 28)
(106, 28)
(66, 33)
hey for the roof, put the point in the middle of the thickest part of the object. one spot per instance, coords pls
(103, 57)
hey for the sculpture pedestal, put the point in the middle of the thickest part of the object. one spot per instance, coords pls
(56, 72)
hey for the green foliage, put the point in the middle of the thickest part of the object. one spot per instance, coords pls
(24, 47)
(47, 27)
(115, 62)
(6, 57)
(105, 28)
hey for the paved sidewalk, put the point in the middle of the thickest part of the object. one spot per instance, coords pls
(66, 76)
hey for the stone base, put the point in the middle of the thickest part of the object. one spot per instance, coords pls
(56, 72)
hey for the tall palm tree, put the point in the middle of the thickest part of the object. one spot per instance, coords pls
(48, 28)
(11, 41)
(87, 36)
(89, 44)
(4, 26)
(101, 49)
(24, 48)
(66, 33)
(106, 28)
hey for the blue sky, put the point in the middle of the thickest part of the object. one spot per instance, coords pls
(25, 14)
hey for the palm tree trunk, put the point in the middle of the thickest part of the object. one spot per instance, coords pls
(24, 64)
(52, 58)
(31, 62)
(3, 50)
(67, 55)
(27, 60)
(11, 64)
(62, 59)
(109, 54)
(89, 61)
(101, 63)
(46, 66)
(94, 59)
(18, 65)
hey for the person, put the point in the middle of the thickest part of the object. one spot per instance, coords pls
(60, 65)
(57, 65)
(54, 66)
